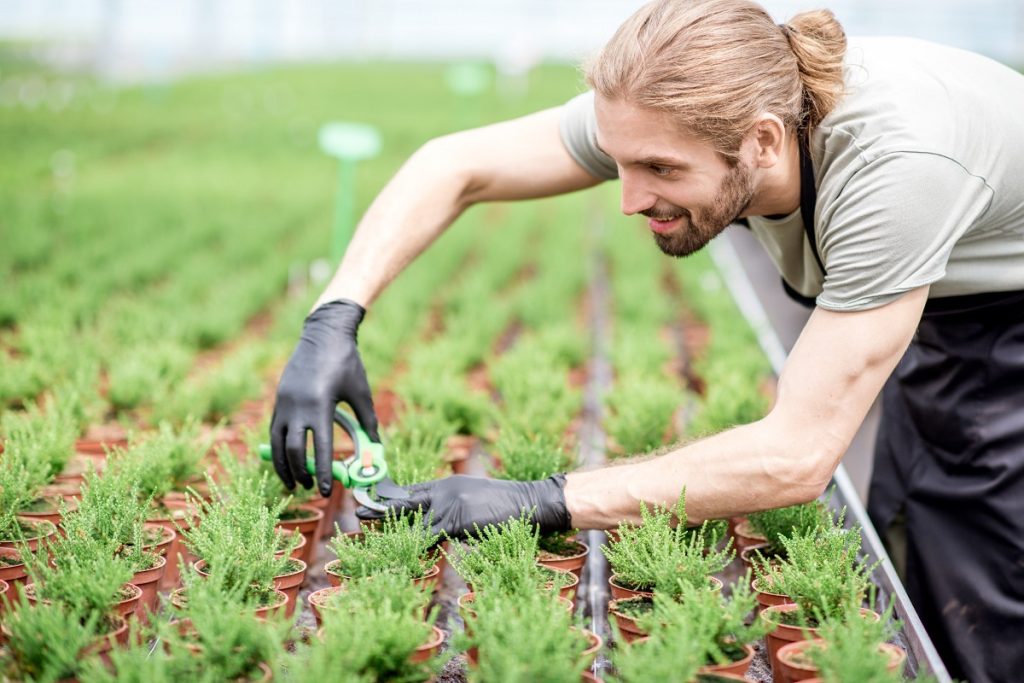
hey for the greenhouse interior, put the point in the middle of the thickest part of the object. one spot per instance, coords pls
(514, 341)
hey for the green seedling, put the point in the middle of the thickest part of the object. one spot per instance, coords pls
(403, 544)
(46, 643)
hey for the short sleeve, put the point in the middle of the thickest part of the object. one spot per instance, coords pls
(893, 226)
(578, 127)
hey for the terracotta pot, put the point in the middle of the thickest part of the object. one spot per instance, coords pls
(96, 448)
(782, 634)
(595, 642)
(75, 469)
(290, 583)
(739, 666)
(13, 574)
(746, 537)
(335, 504)
(148, 581)
(69, 493)
(324, 506)
(43, 532)
(795, 668)
(621, 592)
(162, 546)
(569, 590)
(428, 581)
(573, 563)
(178, 599)
(183, 515)
(123, 608)
(307, 525)
(52, 512)
(318, 599)
(297, 553)
(627, 624)
(430, 648)
(4, 597)
(766, 599)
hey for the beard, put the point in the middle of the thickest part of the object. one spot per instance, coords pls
(702, 225)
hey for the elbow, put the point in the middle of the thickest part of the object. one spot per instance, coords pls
(448, 159)
(801, 463)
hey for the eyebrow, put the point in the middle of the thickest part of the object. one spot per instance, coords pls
(653, 160)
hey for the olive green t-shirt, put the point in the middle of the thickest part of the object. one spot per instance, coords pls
(919, 173)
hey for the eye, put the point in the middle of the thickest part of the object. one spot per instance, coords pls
(659, 170)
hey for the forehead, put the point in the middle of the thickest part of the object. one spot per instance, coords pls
(631, 134)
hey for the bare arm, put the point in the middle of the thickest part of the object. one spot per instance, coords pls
(519, 159)
(836, 369)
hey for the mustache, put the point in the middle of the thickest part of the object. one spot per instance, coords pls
(665, 213)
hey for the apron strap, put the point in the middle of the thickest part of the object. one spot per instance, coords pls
(808, 204)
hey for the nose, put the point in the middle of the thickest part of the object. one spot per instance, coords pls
(635, 196)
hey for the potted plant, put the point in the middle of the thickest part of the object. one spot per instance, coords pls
(402, 544)
(503, 558)
(525, 637)
(662, 545)
(768, 527)
(51, 642)
(375, 631)
(825, 577)
(856, 649)
(19, 484)
(669, 653)
(416, 446)
(237, 539)
(640, 412)
(217, 635)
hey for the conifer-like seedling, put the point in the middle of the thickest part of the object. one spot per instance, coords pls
(416, 446)
(852, 653)
(795, 520)
(46, 643)
(662, 553)
(402, 544)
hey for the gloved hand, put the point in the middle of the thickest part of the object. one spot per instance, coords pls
(455, 504)
(325, 368)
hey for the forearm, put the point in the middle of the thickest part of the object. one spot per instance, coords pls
(414, 208)
(747, 468)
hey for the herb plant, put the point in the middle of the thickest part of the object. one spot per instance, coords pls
(237, 537)
(371, 631)
(672, 652)
(523, 638)
(852, 653)
(641, 409)
(416, 446)
(46, 643)
(43, 436)
(662, 554)
(403, 544)
(823, 573)
(503, 558)
(20, 480)
(531, 457)
(796, 520)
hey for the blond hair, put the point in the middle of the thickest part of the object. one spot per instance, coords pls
(715, 65)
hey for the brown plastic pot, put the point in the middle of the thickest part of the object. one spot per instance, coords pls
(4, 589)
(43, 532)
(183, 515)
(783, 634)
(52, 514)
(587, 677)
(428, 581)
(628, 627)
(430, 648)
(572, 563)
(297, 552)
(290, 583)
(148, 580)
(738, 667)
(795, 666)
(318, 599)
(459, 448)
(14, 574)
(623, 592)
(307, 525)
(179, 598)
(162, 546)
(123, 608)
(746, 537)
(569, 590)
(766, 599)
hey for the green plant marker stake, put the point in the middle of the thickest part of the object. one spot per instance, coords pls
(349, 143)
(468, 80)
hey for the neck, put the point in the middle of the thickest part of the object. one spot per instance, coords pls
(779, 191)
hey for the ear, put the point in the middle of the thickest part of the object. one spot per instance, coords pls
(767, 138)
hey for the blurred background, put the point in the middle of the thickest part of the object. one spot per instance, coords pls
(132, 40)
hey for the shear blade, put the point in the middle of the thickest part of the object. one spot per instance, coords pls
(384, 490)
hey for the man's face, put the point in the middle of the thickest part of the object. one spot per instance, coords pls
(688, 192)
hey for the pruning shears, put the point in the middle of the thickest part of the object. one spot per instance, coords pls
(365, 472)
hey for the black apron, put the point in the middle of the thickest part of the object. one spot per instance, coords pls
(950, 457)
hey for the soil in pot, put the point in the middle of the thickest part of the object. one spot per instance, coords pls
(45, 509)
(335, 577)
(741, 658)
(626, 611)
(34, 532)
(305, 520)
(12, 570)
(746, 537)
(570, 556)
(289, 583)
(319, 601)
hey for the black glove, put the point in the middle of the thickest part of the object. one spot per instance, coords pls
(324, 369)
(455, 504)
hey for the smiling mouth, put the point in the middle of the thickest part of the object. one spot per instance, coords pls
(663, 226)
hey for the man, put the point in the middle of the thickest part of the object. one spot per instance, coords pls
(884, 180)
